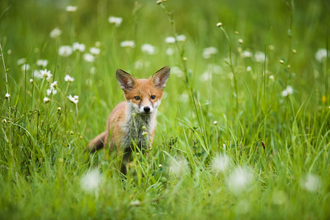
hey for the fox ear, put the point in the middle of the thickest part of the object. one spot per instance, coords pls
(160, 77)
(126, 81)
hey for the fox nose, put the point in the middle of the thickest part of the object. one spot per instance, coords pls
(146, 109)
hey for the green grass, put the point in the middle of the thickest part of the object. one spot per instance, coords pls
(277, 147)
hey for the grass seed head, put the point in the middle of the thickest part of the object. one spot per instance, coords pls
(178, 166)
(90, 181)
(220, 163)
(310, 182)
(240, 180)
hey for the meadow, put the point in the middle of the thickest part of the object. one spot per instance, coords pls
(243, 128)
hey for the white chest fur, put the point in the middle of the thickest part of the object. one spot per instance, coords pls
(135, 127)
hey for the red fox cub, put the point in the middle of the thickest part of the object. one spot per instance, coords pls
(135, 118)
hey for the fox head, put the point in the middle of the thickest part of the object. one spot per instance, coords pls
(143, 95)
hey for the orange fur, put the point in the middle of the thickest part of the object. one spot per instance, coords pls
(134, 118)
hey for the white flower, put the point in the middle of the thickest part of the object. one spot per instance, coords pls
(31, 80)
(94, 50)
(169, 51)
(287, 91)
(115, 20)
(78, 46)
(25, 67)
(240, 179)
(207, 52)
(183, 97)
(215, 122)
(247, 54)
(37, 74)
(46, 74)
(89, 57)
(321, 54)
(91, 180)
(181, 38)
(170, 40)
(138, 64)
(51, 91)
(74, 99)
(214, 69)
(147, 48)
(205, 76)
(271, 77)
(93, 70)
(178, 166)
(65, 51)
(248, 69)
(240, 41)
(127, 44)
(145, 133)
(220, 163)
(46, 100)
(259, 57)
(55, 33)
(21, 61)
(42, 63)
(89, 82)
(68, 78)
(53, 85)
(177, 71)
(71, 8)
(7, 95)
(310, 182)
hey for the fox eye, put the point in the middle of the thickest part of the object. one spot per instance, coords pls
(137, 98)
(153, 97)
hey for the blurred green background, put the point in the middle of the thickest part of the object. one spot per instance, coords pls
(262, 99)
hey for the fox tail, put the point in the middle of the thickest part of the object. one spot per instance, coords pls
(97, 143)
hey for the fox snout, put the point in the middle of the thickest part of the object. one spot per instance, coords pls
(146, 109)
